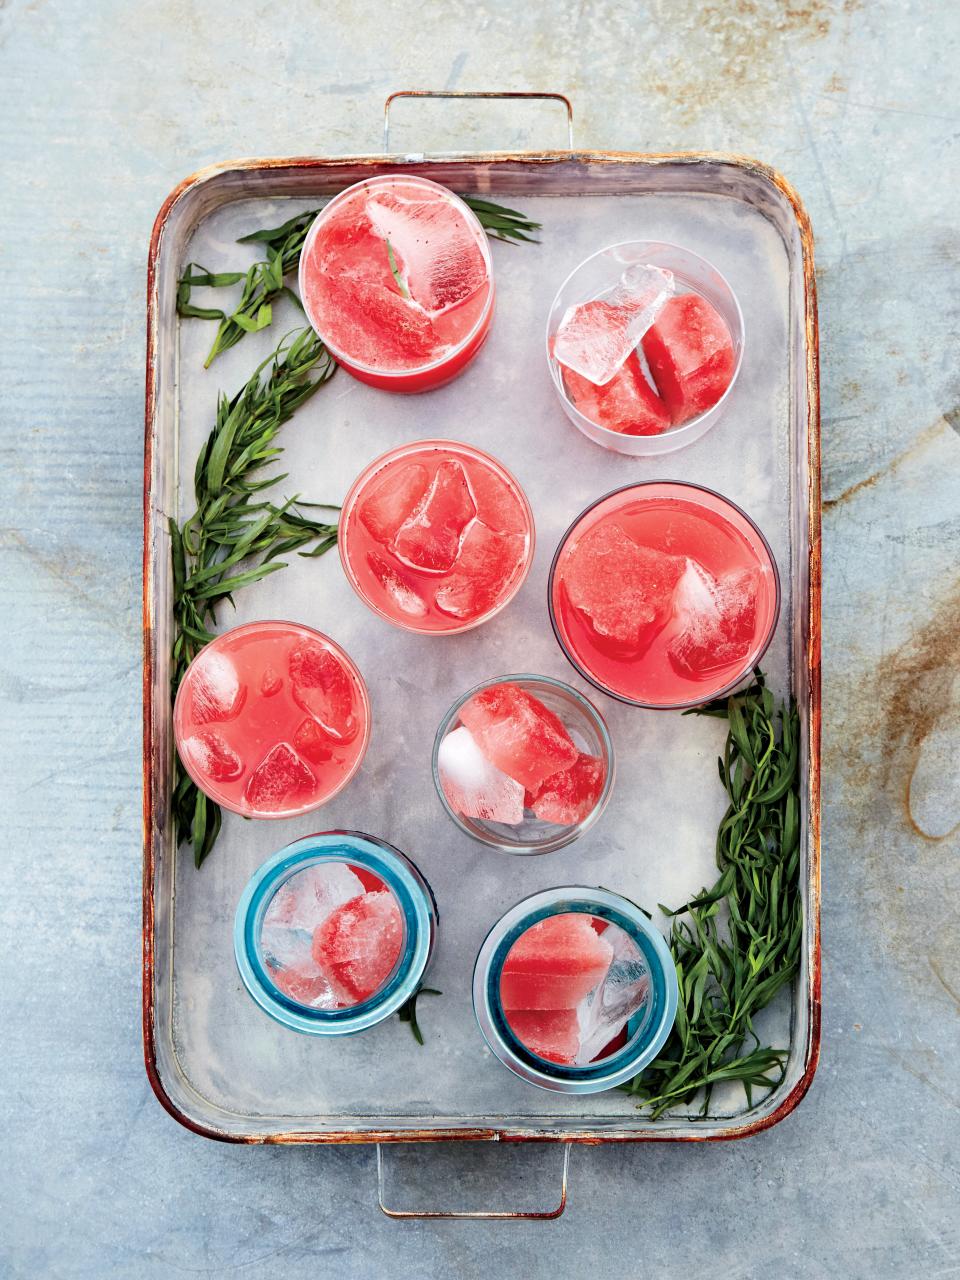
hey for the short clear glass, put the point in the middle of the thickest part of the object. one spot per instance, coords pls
(646, 1030)
(379, 869)
(588, 729)
(595, 277)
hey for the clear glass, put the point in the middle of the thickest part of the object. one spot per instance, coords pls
(588, 729)
(596, 276)
(679, 521)
(263, 734)
(407, 596)
(312, 1005)
(647, 1028)
(466, 326)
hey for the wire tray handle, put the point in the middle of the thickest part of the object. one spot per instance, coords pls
(466, 93)
(478, 1215)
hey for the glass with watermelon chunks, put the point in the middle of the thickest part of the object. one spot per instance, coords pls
(575, 989)
(271, 719)
(523, 763)
(644, 344)
(664, 594)
(436, 536)
(334, 932)
(396, 278)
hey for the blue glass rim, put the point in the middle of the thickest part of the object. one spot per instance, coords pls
(646, 1036)
(400, 876)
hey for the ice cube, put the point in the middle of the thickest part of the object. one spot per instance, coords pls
(392, 499)
(595, 338)
(216, 693)
(518, 734)
(400, 591)
(359, 943)
(498, 507)
(690, 354)
(604, 1012)
(627, 403)
(430, 536)
(271, 682)
(571, 795)
(211, 754)
(623, 590)
(279, 779)
(473, 786)
(304, 901)
(715, 618)
(436, 251)
(486, 564)
(555, 963)
(322, 688)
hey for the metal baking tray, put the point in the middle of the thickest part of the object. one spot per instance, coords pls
(216, 1063)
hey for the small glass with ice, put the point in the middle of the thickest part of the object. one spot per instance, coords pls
(396, 278)
(334, 933)
(644, 345)
(575, 990)
(271, 719)
(523, 763)
(436, 536)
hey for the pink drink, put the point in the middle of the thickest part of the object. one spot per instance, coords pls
(271, 719)
(664, 594)
(396, 277)
(436, 536)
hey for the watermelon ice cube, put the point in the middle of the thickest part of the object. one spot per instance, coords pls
(498, 507)
(554, 963)
(571, 795)
(595, 337)
(313, 742)
(472, 785)
(392, 499)
(690, 354)
(322, 688)
(553, 1034)
(213, 755)
(430, 536)
(278, 779)
(518, 734)
(373, 320)
(627, 403)
(486, 564)
(623, 590)
(401, 592)
(717, 620)
(359, 943)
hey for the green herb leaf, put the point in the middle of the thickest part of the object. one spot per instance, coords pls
(401, 285)
(408, 1010)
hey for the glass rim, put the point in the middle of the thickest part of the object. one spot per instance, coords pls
(683, 428)
(367, 474)
(400, 876)
(565, 835)
(730, 685)
(342, 357)
(620, 1065)
(361, 684)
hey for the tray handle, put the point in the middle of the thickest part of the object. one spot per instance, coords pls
(467, 93)
(476, 1215)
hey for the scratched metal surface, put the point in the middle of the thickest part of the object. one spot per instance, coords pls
(105, 106)
(223, 1063)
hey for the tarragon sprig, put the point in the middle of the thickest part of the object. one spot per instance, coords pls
(235, 535)
(738, 944)
(263, 283)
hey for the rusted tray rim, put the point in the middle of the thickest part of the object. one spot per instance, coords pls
(781, 184)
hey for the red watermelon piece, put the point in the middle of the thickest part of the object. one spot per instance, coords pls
(279, 778)
(627, 403)
(359, 943)
(690, 354)
(518, 734)
(322, 688)
(570, 796)
(554, 964)
(553, 1034)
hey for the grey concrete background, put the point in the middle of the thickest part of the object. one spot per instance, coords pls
(104, 105)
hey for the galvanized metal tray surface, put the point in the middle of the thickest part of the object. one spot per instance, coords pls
(216, 1062)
